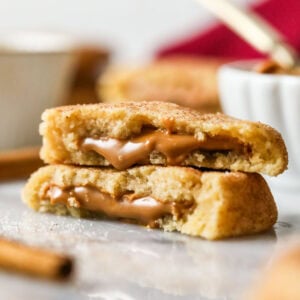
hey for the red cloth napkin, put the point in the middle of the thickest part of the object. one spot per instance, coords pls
(220, 41)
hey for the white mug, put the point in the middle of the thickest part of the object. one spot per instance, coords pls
(35, 73)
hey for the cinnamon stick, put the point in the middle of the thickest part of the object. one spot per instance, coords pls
(33, 261)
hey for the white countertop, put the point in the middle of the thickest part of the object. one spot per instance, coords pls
(122, 261)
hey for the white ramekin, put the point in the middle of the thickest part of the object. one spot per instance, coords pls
(268, 98)
(35, 72)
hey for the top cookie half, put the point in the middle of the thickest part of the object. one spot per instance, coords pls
(158, 133)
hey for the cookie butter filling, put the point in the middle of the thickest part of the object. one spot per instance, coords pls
(146, 210)
(123, 154)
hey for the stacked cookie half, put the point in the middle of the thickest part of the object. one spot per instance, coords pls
(159, 165)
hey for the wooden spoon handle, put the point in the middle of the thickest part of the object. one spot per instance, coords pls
(255, 30)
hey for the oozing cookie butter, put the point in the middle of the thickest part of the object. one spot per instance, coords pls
(145, 210)
(123, 154)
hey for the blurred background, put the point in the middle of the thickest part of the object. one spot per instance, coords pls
(133, 29)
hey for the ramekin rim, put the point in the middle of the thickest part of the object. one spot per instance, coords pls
(237, 66)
